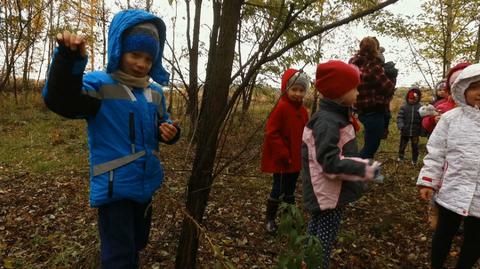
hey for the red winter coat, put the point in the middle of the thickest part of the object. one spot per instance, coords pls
(428, 122)
(283, 134)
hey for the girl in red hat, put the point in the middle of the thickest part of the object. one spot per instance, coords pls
(332, 175)
(283, 139)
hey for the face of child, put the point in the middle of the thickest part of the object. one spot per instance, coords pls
(349, 98)
(472, 94)
(136, 63)
(296, 93)
(441, 93)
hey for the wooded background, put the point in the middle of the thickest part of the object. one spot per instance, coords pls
(250, 44)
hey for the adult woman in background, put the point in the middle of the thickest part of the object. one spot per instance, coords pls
(375, 93)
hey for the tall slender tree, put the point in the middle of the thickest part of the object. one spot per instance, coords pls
(216, 102)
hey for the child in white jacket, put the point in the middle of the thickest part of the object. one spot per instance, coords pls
(452, 171)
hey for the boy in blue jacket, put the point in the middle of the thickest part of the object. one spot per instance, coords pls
(127, 118)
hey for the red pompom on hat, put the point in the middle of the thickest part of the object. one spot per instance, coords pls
(336, 78)
(412, 95)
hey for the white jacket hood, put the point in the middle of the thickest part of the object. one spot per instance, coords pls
(468, 75)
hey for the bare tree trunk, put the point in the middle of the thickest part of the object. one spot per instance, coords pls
(42, 59)
(15, 90)
(52, 39)
(447, 56)
(477, 52)
(318, 57)
(104, 35)
(5, 69)
(148, 5)
(192, 89)
(45, 42)
(248, 94)
(28, 36)
(91, 24)
(212, 114)
(174, 29)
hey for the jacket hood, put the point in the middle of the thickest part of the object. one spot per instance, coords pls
(415, 90)
(286, 77)
(121, 22)
(469, 75)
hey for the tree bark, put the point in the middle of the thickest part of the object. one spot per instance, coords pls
(172, 73)
(26, 65)
(477, 51)
(211, 116)
(192, 89)
(447, 56)
(104, 35)
(248, 94)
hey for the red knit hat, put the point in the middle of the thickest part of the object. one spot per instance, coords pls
(286, 77)
(412, 95)
(336, 78)
(453, 70)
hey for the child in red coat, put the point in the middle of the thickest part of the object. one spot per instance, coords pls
(429, 122)
(283, 140)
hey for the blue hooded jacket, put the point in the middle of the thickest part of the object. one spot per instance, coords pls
(121, 22)
(123, 135)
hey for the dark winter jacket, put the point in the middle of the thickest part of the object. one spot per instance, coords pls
(391, 71)
(375, 89)
(332, 174)
(409, 121)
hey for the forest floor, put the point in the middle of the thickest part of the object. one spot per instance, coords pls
(46, 222)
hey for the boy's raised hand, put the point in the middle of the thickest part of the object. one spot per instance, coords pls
(73, 42)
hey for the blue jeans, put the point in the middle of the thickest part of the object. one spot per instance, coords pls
(284, 187)
(124, 228)
(374, 125)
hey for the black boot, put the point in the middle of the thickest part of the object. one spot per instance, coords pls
(272, 208)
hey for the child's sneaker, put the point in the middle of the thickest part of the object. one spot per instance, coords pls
(400, 159)
(414, 163)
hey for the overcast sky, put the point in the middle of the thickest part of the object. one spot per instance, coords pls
(395, 50)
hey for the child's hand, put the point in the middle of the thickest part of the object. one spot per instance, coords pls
(426, 193)
(73, 42)
(372, 170)
(167, 131)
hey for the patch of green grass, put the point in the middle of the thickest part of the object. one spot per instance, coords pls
(38, 140)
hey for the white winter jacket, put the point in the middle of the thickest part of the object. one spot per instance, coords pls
(452, 165)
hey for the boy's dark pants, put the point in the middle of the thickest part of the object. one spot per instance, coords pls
(124, 228)
(448, 223)
(403, 146)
